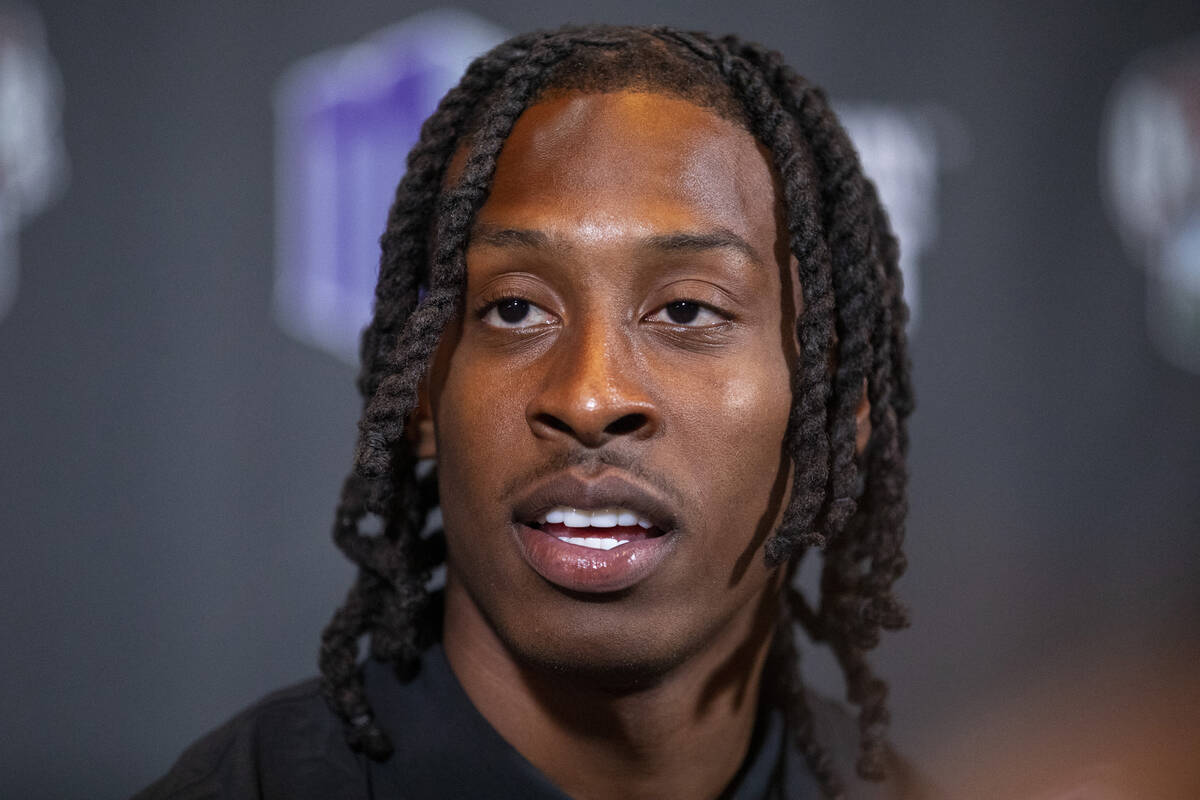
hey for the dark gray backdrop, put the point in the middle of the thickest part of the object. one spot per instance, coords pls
(169, 460)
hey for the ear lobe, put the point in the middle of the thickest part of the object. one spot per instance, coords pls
(862, 421)
(419, 430)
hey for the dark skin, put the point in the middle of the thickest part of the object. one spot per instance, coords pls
(639, 236)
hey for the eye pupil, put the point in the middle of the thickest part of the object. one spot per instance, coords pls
(512, 310)
(682, 312)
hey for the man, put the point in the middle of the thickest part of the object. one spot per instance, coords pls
(641, 310)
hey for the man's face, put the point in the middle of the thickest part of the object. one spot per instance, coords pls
(624, 350)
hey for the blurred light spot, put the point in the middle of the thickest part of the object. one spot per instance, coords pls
(1151, 173)
(903, 151)
(33, 162)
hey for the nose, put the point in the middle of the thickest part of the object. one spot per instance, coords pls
(592, 390)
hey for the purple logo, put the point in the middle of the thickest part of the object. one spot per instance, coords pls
(346, 119)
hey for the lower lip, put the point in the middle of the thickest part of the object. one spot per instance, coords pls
(586, 569)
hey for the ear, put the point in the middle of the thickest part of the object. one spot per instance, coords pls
(419, 430)
(862, 420)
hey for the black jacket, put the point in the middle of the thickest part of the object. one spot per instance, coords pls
(290, 746)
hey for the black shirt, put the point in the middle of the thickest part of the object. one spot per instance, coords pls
(290, 746)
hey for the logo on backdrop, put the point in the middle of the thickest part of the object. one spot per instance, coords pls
(904, 151)
(347, 117)
(33, 163)
(1151, 173)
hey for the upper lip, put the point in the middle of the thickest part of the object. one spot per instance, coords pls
(605, 491)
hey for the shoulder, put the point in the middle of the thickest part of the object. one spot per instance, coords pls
(837, 730)
(287, 745)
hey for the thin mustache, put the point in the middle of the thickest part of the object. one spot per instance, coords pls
(591, 462)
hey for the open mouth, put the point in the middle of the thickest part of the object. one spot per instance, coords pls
(601, 534)
(599, 529)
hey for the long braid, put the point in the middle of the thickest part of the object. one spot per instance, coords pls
(849, 215)
(855, 606)
(859, 604)
(853, 317)
(808, 440)
(782, 684)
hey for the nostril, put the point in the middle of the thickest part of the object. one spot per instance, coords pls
(626, 424)
(551, 421)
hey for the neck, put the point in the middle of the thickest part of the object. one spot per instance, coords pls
(682, 734)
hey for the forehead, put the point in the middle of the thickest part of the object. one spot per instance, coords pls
(639, 162)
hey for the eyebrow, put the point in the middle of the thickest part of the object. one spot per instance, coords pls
(716, 239)
(682, 241)
(493, 236)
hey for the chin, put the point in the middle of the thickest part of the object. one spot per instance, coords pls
(599, 645)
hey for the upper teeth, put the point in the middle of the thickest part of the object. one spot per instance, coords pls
(599, 518)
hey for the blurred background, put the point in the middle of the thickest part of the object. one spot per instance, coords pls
(190, 195)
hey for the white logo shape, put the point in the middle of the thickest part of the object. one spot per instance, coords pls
(33, 163)
(1151, 171)
(904, 150)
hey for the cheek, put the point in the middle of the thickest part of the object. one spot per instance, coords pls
(477, 449)
(475, 421)
(735, 430)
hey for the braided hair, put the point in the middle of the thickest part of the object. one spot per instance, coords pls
(851, 337)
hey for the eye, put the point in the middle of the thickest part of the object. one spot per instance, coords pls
(513, 312)
(687, 313)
